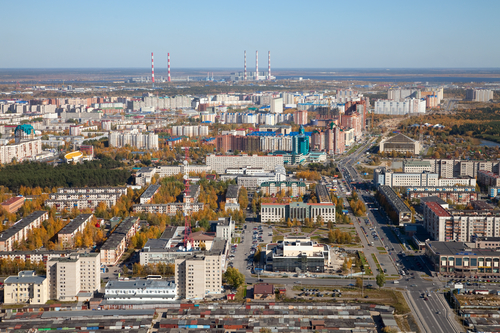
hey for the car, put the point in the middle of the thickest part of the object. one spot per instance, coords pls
(426, 299)
(298, 282)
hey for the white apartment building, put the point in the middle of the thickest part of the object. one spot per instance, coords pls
(24, 150)
(26, 287)
(69, 276)
(417, 166)
(138, 140)
(145, 175)
(389, 178)
(190, 131)
(219, 163)
(197, 276)
(400, 108)
(20, 230)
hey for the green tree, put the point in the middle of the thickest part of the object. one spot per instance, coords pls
(380, 280)
(233, 277)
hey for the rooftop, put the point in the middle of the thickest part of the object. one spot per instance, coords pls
(458, 248)
(21, 224)
(140, 284)
(120, 232)
(25, 277)
(12, 200)
(437, 209)
(75, 224)
(150, 191)
(435, 199)
(232, 191)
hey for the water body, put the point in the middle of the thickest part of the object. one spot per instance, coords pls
(486, 143)
(409, 78)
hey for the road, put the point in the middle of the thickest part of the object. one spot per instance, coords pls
(432, 312)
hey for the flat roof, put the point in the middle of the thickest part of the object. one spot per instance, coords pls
(232, 191)
(135, 284)
(120, 232)
(459, 248)
(25, 279)
(104, 313)
(433, 199)
(12, 200)
(150, 191)
(394, 199)
(75, 224)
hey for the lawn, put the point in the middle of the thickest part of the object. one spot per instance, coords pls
(380, 248)
(277, 238)
(364, 262)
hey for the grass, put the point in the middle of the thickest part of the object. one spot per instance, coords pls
(241, 294)
(377, 263)
(277, 238)
(380, 248)
(364, 262)
(236, 240)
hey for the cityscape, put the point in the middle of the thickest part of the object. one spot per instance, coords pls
(163, 182)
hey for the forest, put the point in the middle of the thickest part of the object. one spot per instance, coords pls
(95, 173)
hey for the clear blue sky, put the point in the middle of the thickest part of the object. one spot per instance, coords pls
(210, 34)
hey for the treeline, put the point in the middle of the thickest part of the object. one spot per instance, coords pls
(93, 173)
(13, 266)
(487, 130)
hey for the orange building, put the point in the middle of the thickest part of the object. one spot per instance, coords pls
(12, 205)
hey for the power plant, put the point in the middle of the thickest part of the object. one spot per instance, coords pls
(253, 76)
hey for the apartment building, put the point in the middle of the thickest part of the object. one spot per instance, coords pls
(148, 195)
(87, 197)
(402, 212)
(35, 256)
(70, 276)
(198, 275)
(387, 177)
(279, 212)
(460, 225)
(409, 105)
(170, 209)
(290, 188)
(26, 287)
(219, 163)
(478, 95)
(117, 243)
(488, 178)
(456, 194)
(190, 130)
(456, 168)
(145, 175)
(134, 139)
(20, 230)
(22, 151)
(67, 234)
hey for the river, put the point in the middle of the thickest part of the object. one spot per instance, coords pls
(486, 143)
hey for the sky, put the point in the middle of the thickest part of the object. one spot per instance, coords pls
(214, 34)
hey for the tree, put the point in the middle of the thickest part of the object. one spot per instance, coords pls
(359, 282)
(234, 278)
(380, 280)
(319, 221)
(243, 198)
(389, 329)
(330, 225)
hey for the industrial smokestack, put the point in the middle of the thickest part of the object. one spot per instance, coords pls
(245, 67)
(168, 66)
(269, 65)
(256, 65)
(153, 69)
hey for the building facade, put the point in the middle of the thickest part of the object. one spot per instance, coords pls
(117, 243)
(26, 287)
(20, 230)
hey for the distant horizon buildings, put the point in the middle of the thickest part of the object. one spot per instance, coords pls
(134, 139)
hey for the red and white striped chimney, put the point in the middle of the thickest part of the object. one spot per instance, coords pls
(256, 65)
(168, 65)
(152, 69)
(269, 65)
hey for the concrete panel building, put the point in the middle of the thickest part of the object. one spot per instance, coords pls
(27, 288)
(219, 163)
(12, 205)
(71, 276)
(278, 212)
(117, 243)
(20, 230)
(67, 234)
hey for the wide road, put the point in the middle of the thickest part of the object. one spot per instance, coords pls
(432, 312)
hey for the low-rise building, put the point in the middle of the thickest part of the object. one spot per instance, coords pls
(143, 291)
(148, 195)
(20, 230)
(35, 256)
(264, 291)
(298, 254)
(117, 243)
(279, 212)
(232, 194)
(401, 144)
(460, 260)
(26, 287)
(13, 204)
(169, 209)
(416, 166)
(67, 234)
(82, 198)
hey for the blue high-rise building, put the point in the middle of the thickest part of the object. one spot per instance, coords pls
(300, 143)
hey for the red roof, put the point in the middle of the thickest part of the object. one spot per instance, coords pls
(437, 209)
(263, 288)
(12, 200)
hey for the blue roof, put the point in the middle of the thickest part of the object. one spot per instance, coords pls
(297, 133)
(174, 139)
(263, 134)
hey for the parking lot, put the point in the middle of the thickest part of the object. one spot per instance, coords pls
(252, 236)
